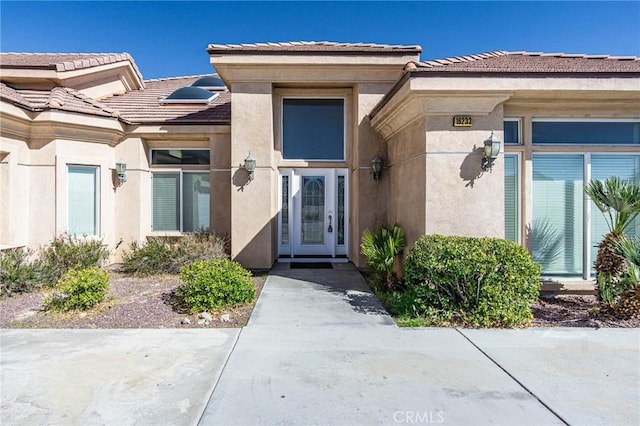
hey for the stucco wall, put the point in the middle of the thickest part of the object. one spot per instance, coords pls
(14, 187)
(368, 201)
(253, 204)
(406, 206)
(462, 199)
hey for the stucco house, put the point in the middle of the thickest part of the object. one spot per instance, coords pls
(343, 137)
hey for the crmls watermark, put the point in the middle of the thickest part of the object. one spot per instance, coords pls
(419, 417)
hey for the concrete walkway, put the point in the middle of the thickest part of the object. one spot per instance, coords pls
(319, 349)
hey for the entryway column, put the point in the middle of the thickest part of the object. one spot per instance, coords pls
(253, 202)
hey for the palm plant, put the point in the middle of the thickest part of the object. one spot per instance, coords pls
(619, 202)
(380, 249)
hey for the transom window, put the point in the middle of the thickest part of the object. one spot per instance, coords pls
(313, 129)
(161, 157)
(512, 131)
(591, 132)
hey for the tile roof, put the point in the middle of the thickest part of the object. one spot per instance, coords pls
(530, 62)
(13, 96)
(63, 61)
(135, 107)
(59, 98)
(315, 47)
(143, 106)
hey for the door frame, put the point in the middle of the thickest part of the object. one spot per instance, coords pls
(331, 248)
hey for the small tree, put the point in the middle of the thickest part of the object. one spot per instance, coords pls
(619, 202)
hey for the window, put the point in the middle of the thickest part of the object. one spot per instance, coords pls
(560, 216)
(511, 198)
(313, 129)
(590, 132)
(82, 200)
(180, 156)
(557, 228)
(511, 131)
(181, 201)
(603, 166)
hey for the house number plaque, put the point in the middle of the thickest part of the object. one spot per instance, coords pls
(461, 121)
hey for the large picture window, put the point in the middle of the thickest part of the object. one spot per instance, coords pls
(181, 201)
(566, 231)
(313, 129)
(82, 200)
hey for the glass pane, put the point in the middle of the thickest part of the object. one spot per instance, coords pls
(341, 210)
(511, 133)
(284, 230)
(557, 228)
(166, 201)
(586, 132)
(312, 210)
(180, 156)
(82, 201)
(313, 129)
(603, 166)
(195, 202)
(511, 183)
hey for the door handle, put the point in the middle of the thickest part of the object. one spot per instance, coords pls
(330, 228)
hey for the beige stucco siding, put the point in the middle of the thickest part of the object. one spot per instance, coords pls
(407, 171)
(253, 204)
(462, 199)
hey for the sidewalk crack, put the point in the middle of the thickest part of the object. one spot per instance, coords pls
(544, 404)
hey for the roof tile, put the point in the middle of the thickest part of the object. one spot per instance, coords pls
(316, 47)
(63, 61)
(536, 62)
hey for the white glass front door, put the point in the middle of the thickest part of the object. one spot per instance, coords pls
(313, 212)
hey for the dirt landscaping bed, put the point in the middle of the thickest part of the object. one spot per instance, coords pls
(150, 303)
(130, 303)
(576, 311)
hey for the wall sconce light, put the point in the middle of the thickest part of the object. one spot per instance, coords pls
(491, 151)
(376, 166)
(121, 171)
(250, 166)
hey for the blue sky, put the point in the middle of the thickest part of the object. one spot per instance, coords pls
(170, 38)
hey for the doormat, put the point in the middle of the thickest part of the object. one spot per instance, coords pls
(311, 265)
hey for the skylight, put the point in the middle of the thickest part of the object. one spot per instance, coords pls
(210, 82)
(190, 95)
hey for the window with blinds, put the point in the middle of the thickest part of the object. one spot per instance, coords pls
(603, 166)
(511, 204)
(557, 228)
(82, 211)
(181, 201)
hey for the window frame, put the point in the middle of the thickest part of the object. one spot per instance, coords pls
(97, 204)
(344, 128)
(180, 172)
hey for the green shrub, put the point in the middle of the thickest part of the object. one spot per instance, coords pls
(380, 250)
(471, 281)
(159, 255)
(213, 284)
(68, 252)
(18, 273)
(78, 289)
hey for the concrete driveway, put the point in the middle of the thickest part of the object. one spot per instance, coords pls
(319, 349)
